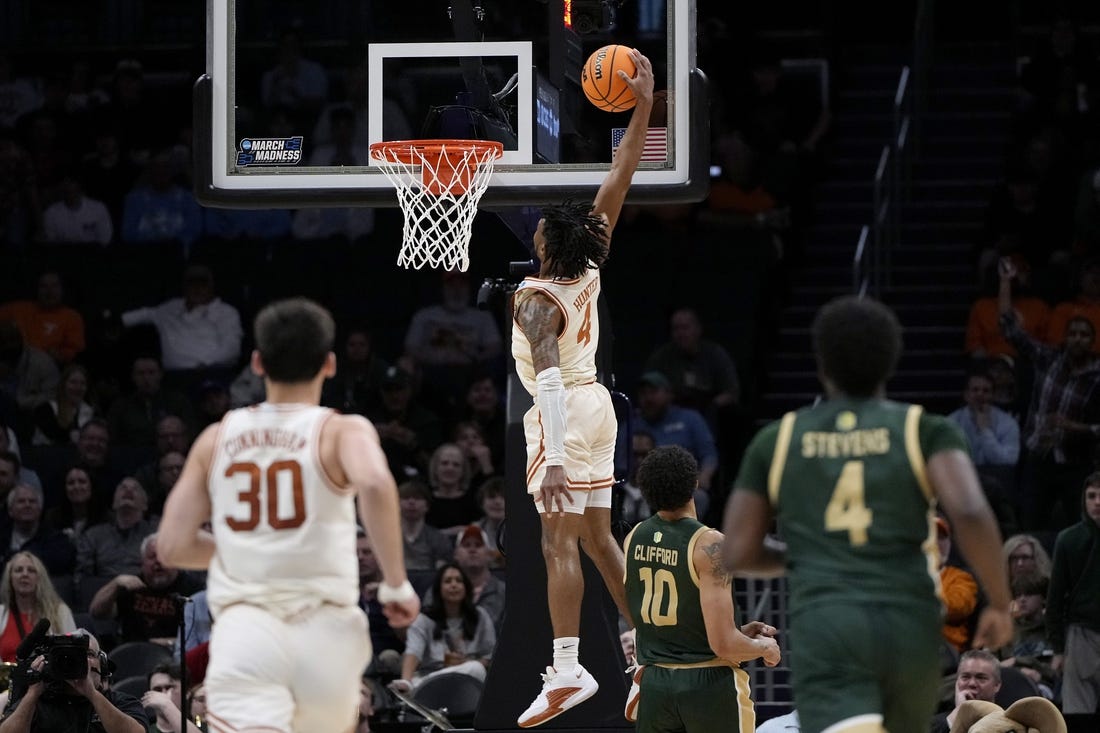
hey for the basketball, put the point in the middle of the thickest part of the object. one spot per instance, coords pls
(601, 82)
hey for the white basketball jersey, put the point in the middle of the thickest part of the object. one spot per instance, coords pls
(576, 299)
(285, 533)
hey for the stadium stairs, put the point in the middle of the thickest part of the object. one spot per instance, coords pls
(933, 278)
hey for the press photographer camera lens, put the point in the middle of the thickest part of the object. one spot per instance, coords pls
(66, 658)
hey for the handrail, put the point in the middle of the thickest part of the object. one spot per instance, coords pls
(892, 184)
(860, 278)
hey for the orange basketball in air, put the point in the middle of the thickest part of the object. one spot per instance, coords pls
(601, 81)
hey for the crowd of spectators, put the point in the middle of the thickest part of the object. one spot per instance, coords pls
(103, 388)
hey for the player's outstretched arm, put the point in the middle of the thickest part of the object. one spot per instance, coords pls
(366, 470)
(609, 199)
(181, 543)
(956, 483)
(746, 551)
(716, 598)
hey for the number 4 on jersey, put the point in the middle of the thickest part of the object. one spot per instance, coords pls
(846, 510)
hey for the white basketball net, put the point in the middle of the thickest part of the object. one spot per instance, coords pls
(439, 184)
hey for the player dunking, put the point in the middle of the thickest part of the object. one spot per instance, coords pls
(278, 483)
(853, 482)
(571, 428)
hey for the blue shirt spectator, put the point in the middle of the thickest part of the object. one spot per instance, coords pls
(993, 434)
(672, 425)
(159, 209)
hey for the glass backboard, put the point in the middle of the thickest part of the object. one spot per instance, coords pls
(295, 93)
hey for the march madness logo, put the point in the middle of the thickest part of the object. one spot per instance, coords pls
(270, 151)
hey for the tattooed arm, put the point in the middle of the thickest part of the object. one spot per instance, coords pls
(716, 598)
(541, 322)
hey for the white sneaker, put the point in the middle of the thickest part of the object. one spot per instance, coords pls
(635, 671)
(560, 691)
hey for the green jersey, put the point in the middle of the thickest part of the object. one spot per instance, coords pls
(847, 481)
(662, 589)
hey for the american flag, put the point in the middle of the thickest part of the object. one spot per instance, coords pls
(656, 143)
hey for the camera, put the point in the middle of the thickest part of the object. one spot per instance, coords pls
(66, 659)
(490, 289)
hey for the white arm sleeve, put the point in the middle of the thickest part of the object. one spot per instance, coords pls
(550, 397)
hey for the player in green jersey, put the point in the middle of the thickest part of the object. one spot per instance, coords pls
(853, 483)
(680, 597)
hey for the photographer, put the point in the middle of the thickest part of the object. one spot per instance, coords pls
(50, 698)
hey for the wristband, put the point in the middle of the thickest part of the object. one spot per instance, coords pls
(398, 594)
(550, 397)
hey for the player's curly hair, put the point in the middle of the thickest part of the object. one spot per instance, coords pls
(858, 343)
(668, 477)
(294, 337)
(576, 239)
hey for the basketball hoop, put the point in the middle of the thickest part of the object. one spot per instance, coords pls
(439, 183)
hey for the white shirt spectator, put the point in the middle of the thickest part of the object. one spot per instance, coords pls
(204, 336)
(783, 724)
(89, 221)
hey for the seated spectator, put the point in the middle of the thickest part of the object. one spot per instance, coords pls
(993, 434)
(58, 420)
(26, 532)
(359, 375)
(163, 699)
(113, 548)
(158, 209)
(781, 724)
(426, 548)
(46, 323)
(9, 473)
(1031, 651)
(451, 341)
(468, 437)
(1025, 555)
(450, 636)
(977, 678)
(294, 82)
(197, 623)
(28, 376)
(9, 444)
(984, 339)
(248, 224)
(212, 401)
(635, 508)
(490, 497)
(454, 504)
(27, 596)
(76, 218)
(383, 637)
(80, 509)
(198, 331)
(145, 604)
(168, 469)
(483, 405)
(196, 700)
(173, 437)
(22, 93)
(670, 424)
(133, 418)
(1086, 305)
(408, 431)
(92, 453)
(108, 174)
(702, 373)
(473, 554)
(960, 596)
(246, 389)
(20, 208)
(345, 149)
